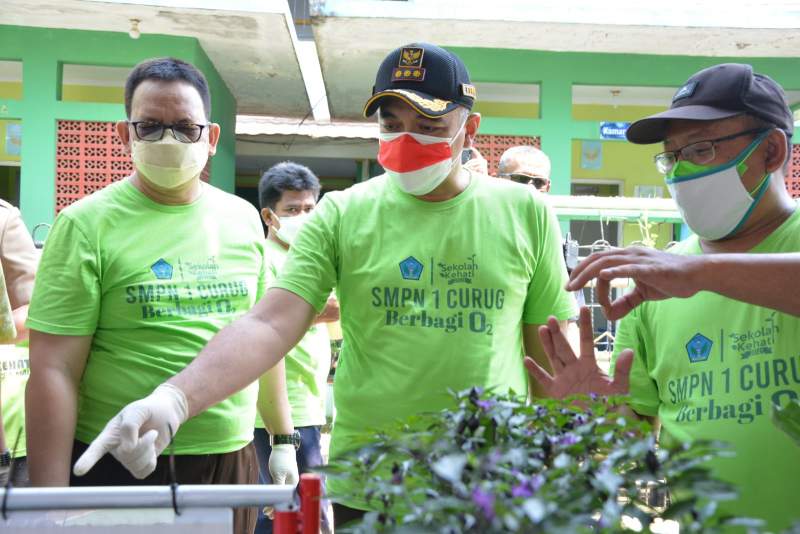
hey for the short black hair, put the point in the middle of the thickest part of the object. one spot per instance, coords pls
(285, 176)
(167, 69)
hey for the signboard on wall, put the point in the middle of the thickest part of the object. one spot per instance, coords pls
(591, 155)
(613, 130)
(13, 141)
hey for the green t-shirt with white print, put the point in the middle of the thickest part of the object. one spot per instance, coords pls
(152, 284)
(711, 367)
(433, 295)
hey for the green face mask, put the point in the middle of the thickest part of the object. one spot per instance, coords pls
(712, 199)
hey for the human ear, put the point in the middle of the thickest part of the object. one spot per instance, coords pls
(269, 219)
(471, 129)
(213, 138)
(124, 135)
(776, 150)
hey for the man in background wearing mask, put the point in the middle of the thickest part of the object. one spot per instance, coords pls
(526, 165)
(134, 280)
(708, 366)
(287, 194)
(443, 275)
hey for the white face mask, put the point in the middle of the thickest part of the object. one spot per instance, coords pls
(417, 163)
(712, 200)
(168, 163)
(290, 227)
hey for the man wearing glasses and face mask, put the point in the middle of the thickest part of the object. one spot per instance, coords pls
(526, 165)
(706, 365)
(133, 281)
(442, 274)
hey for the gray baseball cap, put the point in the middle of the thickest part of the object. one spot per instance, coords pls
(719, 92)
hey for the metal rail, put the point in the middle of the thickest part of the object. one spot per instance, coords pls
(116, 497)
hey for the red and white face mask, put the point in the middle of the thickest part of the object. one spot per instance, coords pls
(417, 163)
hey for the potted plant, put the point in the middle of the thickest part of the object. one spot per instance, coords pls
(495, 463)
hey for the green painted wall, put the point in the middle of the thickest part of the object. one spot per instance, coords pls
(42, 51)
(580, 112)
(72, 93)
(92, 93)
(556, 72)
(588, 112)
(507, 109)
(223, 112)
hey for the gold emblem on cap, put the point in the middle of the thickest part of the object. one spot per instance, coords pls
(411, 57)
(409, 68)
(435, 104)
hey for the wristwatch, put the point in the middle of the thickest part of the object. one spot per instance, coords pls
(285, 439)
(5, 459)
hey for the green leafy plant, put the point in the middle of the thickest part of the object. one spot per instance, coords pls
(647, 230)
(498, 464)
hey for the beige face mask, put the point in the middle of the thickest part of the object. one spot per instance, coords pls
(168, 163)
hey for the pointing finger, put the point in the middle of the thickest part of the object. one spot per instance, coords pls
(101, 445)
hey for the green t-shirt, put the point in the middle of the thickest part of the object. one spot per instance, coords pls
(153, 284)
(307, 364)
(710, 367)
(14, 372)
(433, 295)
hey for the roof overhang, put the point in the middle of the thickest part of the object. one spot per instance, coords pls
(251, 44)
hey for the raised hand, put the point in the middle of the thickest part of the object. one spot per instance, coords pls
(577, 375)
(658, 275)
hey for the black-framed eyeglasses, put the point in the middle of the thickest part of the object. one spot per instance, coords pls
(699, 152)
(185, 132)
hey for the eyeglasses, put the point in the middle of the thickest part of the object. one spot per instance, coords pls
(699, 153)
(185, 132)
(536, 181)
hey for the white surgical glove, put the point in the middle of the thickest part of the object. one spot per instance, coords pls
(283, 465)
(139, 433)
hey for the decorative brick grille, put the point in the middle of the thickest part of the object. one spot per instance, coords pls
(493, 146)
(89, 156)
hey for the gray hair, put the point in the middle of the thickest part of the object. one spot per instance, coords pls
(524, 152)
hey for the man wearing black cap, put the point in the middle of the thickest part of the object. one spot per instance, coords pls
(443, 275)
(706, 365)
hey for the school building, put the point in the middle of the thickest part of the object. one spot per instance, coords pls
(289, 79)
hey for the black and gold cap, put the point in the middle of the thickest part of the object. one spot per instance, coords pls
(428, 78)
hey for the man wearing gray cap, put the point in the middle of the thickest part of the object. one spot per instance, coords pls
(706, 365)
